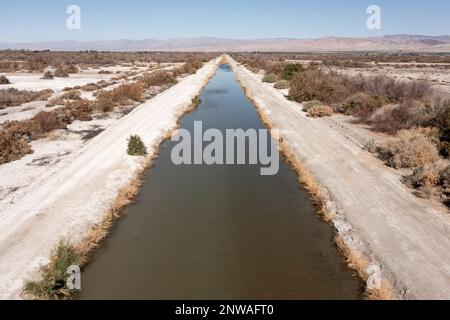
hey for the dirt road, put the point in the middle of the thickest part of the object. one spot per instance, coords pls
(409, 239)
(77, 194)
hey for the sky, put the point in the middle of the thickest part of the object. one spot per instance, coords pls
(45, 20)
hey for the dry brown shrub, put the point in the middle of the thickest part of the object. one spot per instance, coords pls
(105, 102)
(393, 118)
(12, 97)
(12, 147)
(158, 78)
(61, 73)
(410, 149)
(318, 85)
(126, 92)
(45, 122)
(79, 110)
(320, 111)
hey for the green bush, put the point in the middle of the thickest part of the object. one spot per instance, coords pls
(270, 78)
(54, 276)
(136, 147)
(291, 69)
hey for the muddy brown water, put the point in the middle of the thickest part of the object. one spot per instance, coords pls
(221, 231)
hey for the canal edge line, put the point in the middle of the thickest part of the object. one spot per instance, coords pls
(350, 245)
(126, 195)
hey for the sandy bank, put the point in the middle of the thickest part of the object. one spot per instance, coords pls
(406, 236)
(77, 193)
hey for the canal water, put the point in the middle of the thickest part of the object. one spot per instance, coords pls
(220, 231)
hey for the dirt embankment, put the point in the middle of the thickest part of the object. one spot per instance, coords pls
(372, 210)
(79, 192)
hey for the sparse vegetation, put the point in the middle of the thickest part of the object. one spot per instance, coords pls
(12, 97)
(54, 276)
(136, 147)
(410, 149)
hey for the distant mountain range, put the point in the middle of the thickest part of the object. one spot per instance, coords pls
(409, 43)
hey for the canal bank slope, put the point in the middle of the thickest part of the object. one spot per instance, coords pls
(80, 193)
(373, 211)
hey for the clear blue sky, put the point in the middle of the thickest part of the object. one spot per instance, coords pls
(45, 20)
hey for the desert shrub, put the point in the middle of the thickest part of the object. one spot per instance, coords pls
(12, 146)
(104, 72)
(71, 68)
(54, 276)
(12, 97)
(48, 75)
(320, 111)
(78, 110)
(105, 102)
(282, 84)
(318, 85)
(126, 92)
(270, 78)
(72, 95)
(427, 175)
(410, 149)
(61, 73)
(158, 78)
(310, 104)
(393, 118)
(4, 80)
(362, 105)
(395, 91)
(291, 69)
(45, 122)
(136, 147)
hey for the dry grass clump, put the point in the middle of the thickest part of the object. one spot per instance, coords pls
(12, 146)
(360, 264)
(104, 72)
(410, 149)
(318, 85)
(4, 80)
(54, 275)
(320, 112)
(12, 97)
(270, 78)
(190, 67)
(282, 84)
